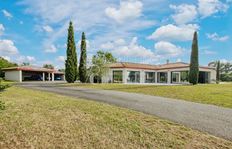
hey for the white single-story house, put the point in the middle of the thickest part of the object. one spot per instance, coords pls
(32, 73)
(170, 73)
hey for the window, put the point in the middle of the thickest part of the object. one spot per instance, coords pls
(117, 76)
(162, 77)
(175, 77)
(149, 77)
(133, 76)
(184, 76)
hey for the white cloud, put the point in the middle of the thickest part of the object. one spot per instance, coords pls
(209, 52)
(123, 50)
(88, 16)
(111, 45)
(134, 50)
(47, 28)
(7, 14)
(178, 60)
(224, 61)
(61, 59)
(6, 57)
(216, 37)
(184, 13)
(171, 32)
(2, 29)
(22, 58)
(209, 7)
(7, 47)
(50, 49)
(30, 58)
(130, 9)
(167, 49)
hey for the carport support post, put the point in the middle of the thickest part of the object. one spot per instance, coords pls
(43, 76)
(49, 77)
(20, 76)
(169, 77)
(53, 77)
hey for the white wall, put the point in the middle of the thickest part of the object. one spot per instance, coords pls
(14, 75)
(109, 75)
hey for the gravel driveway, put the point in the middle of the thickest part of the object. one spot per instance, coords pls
(208, 118)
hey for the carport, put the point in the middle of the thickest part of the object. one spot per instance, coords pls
(32, 73)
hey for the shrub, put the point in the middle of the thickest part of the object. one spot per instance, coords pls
(226, 77)
(3, 86)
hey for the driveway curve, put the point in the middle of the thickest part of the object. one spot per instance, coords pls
(207, 118)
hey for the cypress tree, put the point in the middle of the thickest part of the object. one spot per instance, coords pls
(82, 67)
(218, 72)
(71, 62)
(194, 64)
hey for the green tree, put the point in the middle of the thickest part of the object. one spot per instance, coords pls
(71, 62)
(100, 62)
(82, 66)
(5, 64)
(48, 66)
(194, 63)
(225, 70)
(218, 71)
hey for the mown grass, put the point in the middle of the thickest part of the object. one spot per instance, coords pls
(35, 119)
(216, 94)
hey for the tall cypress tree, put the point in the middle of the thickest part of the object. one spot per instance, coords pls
(194, 64)
(218, 71)
(71, 62)
(82, 67)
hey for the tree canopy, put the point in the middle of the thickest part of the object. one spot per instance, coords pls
(100, 62)
(224, 70)
(83, 58)
(48, 66)
(194, 63)
(71, 62)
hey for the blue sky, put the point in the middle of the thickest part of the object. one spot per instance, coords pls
(145, 31)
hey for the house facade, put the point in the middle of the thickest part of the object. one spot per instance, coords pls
(32, 73)
(170, 73)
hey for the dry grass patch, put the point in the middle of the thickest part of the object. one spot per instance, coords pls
(45, 120)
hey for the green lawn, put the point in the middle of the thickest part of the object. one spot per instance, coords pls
(216, 94)
(35, 119)
(4, 82)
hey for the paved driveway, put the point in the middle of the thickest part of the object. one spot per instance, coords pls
(208, 118)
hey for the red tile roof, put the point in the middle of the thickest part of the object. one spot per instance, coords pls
(153, 67)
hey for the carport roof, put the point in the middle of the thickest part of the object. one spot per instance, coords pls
(32, 68)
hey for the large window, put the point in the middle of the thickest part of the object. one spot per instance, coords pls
(133, 76)
(175, 77)
(203, 77)
(117, 76)
(184, 76)
(162, 77)
(149, 77)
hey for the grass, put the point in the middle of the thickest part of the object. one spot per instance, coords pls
(215, 94)
(4, 82)
(35, 119)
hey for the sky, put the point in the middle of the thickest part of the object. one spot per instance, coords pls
(142, 31)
